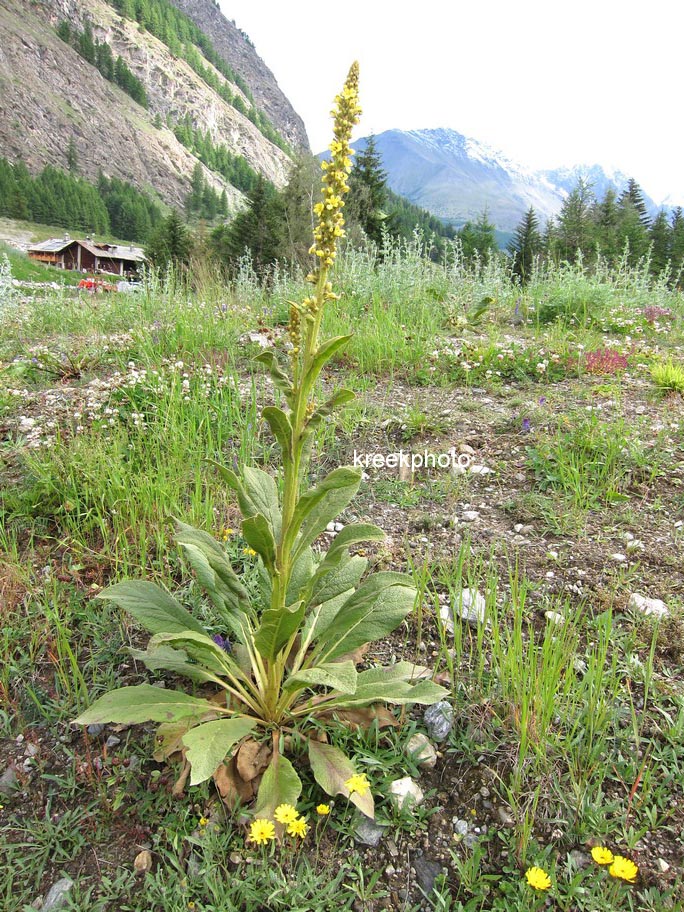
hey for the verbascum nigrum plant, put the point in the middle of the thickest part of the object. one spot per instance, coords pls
(291, 668)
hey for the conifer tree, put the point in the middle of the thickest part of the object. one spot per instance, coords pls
(367, 199)
(574, 229)
(170, 243)
(256, 230)
(526, 245)
(660, 237)
(72, 156)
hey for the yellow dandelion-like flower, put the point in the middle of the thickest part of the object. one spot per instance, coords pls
(203, 821)
(323, 809)
(261, 831)
(623, 868)
(298, 827)
(537, 878)
(250, 552)
(601, 855)
(358, 783)
(285, 813)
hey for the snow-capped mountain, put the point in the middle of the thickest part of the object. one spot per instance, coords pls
(457, 177)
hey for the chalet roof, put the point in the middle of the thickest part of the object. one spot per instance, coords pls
(104, 251)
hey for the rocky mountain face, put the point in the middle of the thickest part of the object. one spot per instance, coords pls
(456, 178)
(232, 43)
(50, 95)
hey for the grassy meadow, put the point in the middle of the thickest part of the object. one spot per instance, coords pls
(567, 399)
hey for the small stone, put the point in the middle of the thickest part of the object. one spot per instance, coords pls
(505, 816)
(439, 719)
(9, 782)
(466, 449)
(473, 607)
(112, 741)
(427, 872)
(368, 832)
(390, 870)
(580, 859)
(405, 793)
(143, 862)
(95, 729)
(338, 526)
(555, 617)
(419, 748)
(618, 558)
(635, 545)
(460, 828)
(392, 848)
(480, 470)
(235, 858)
(469, 516)
(330, 527)
(648, 606)
(518, 527)
(663, 866)
(57, 895)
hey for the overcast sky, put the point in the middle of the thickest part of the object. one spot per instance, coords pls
(547, 83)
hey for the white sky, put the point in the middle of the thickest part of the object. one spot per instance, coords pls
(592, 81)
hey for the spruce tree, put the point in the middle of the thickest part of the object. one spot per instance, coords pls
(660, 237)
(169, 243)
(526, 245)
(72, 156)
(257, 230)
(367, 199)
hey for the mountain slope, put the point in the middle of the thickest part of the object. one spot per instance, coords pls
(236, 47)
(51, 95)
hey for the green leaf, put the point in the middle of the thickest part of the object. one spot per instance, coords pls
(262, 492)
(352, 535)
(331, 769)
(340, 398)
(213, 570)
(325, 353)
(321, 504)
(166, 658)
(277, 626)
(340, 676)
(144, 703)
(209, 744)
(199, 646)
(280, 785)
(301, 576)
(338, 579)
(371, 613)
(259, 535)
(280, 379)
(280, 426)
(396, 692)
(151, 606)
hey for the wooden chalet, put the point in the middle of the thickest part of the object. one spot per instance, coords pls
(88, 256)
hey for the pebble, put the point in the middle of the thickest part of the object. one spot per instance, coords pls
(439, 719)
(505, 816)
(421, 750)
(368, 832)
(112, 741)
(143, 862)
(480, 470)
(405, 793)
(57, 895)
(618, 558)
(460, 827)
(95, 729)
(554, 616)
(9, 782)
(427, 872)
(663, 866)
(469, 516)
(635, 545)
(581, 859)
(473, 607)
(648, 606)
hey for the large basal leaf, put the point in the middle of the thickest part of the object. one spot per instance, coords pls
(259, 536)
(280, 785)
(398, 671)
(340, 676)
(331, 769)
(301, 575)
(165, 658)
(321, 617)
(280, 426)
(209, 744)
(199, 647)
(371, 613)
(277, 626)
(152, 607)
(144, 703)
(347, 575)
(398, 693)
(321, 504)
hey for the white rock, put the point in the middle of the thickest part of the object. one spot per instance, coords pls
(469, 516)
(405, 793)
(419, 748)
(480, 470)
(468, 450)
(663, 866)
(470, 606)
(330, 527)
(518, 527)
(635, 545)
(554, 616)
(618, 558)
(338, 526)
(648, 606)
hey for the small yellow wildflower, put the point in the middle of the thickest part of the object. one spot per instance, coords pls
(285, 813)
(537, 878)
(298, 827)
(602, 855)
(227, 532)
(261, 831)
(358, 783)
(203, 821)
(191, 905)
(250, 552)
(323, 809)
(623, 868)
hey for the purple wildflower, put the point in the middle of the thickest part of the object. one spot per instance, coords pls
(526, 425)
(222, 642)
